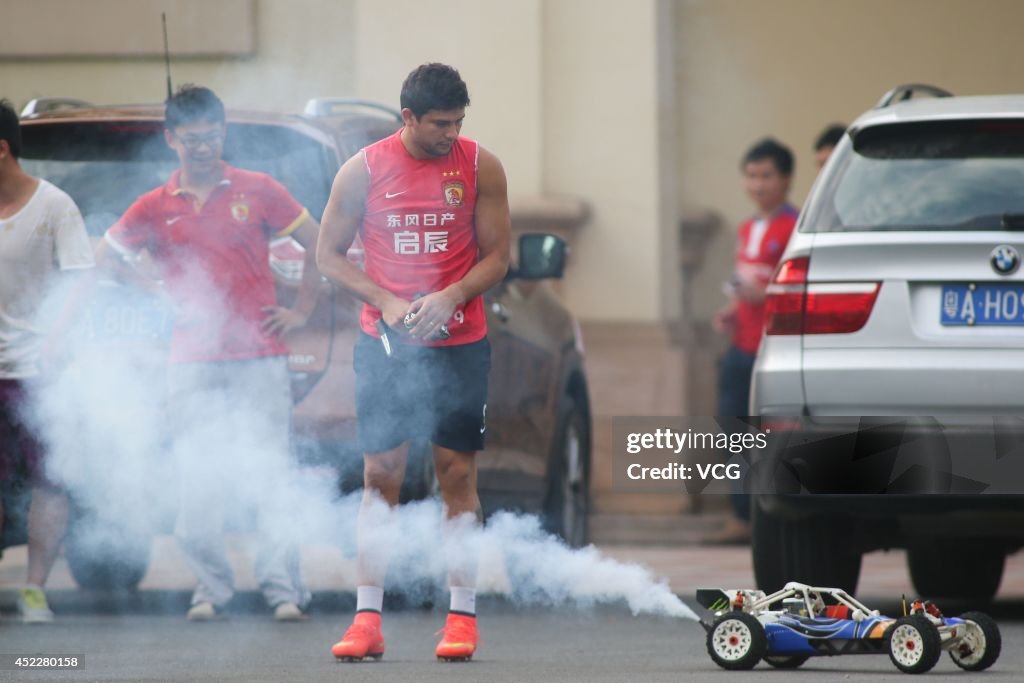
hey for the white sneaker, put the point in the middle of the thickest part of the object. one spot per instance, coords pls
(288, 611)
(202, 611)
(33, 606)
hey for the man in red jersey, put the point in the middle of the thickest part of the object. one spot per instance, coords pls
(207, 231)
(431, 209)
(767, 169)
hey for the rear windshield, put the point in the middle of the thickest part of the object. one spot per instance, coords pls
(105, 166)
(964, 175)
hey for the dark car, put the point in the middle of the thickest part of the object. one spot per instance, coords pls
(538, 453)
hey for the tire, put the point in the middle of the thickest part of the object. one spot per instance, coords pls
(812, 551)
(736, 641)
(983, 643)
(567, 505)
(914, 644)
(110, 560)
(977, 577)
(787, 662)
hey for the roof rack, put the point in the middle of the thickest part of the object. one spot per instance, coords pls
(46, 104)
(902, 93)
(328, 106)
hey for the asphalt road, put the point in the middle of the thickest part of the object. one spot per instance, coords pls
(146, 639)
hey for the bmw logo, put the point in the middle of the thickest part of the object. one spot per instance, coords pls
(1004, 259)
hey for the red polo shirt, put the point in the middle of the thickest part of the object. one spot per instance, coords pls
(758, 250)
(214, 260)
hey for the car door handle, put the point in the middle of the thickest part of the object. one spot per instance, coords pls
(500, 311)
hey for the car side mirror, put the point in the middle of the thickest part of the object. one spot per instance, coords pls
(541, 256)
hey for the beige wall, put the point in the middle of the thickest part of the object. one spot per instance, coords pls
(495, 45)
(304, 49)
(601, 91)
(85, 29)
(787, 68)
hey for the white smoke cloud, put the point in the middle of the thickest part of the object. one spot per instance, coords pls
(105, 421)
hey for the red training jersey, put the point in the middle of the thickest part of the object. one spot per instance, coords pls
(759, 248)
(419, 232)
(214, 260)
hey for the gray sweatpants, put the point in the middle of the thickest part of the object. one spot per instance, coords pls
(231, 428)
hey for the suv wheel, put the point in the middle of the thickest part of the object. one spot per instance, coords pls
(567, 508)
(976, 578)
(104, 557)
(812, 551)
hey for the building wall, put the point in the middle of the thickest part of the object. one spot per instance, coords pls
(495, 45)
(601, 118)
(304, 48)
(787, 68)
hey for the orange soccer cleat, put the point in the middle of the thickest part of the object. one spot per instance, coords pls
(363, 639)
(460, 639)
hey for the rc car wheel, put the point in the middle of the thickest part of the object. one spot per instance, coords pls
(784, 662)
(976, 578)
(914, 644)
(981, 646)
(806, 550)
(737, 641)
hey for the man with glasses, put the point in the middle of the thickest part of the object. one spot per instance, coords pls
(207, 230)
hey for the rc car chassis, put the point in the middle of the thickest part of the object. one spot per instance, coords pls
(790, 626)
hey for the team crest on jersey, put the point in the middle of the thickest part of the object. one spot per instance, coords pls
(240, 210)
(453, 192)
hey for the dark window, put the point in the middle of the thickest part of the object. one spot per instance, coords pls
(962, 175)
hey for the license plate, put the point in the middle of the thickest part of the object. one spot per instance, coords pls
(982, 304)
(117, 315)
(120, 323)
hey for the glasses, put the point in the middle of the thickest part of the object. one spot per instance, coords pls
(197, 141)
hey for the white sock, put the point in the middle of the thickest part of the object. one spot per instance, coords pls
(369, 598)
(461, 540)
(463, 600)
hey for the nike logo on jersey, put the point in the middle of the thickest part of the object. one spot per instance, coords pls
(172, 221)
(389, 195)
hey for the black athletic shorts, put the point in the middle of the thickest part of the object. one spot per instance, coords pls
(421, 392)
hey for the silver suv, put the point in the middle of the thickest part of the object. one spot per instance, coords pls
(899, 294)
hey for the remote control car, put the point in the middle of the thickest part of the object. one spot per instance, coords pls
(798, 622)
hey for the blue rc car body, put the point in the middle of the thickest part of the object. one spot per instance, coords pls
(790, 626)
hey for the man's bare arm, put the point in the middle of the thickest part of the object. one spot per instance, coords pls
(493, 236)
(342, 218)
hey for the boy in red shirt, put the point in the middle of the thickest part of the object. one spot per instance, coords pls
(767, 170)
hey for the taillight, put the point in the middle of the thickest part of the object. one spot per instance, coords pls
(794, 306)
(784, 298)
(837, 308)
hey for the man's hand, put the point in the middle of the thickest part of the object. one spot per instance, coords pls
(751, 290)
(394, 311)
(281, 320)
(724, 321)
(428, 313)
